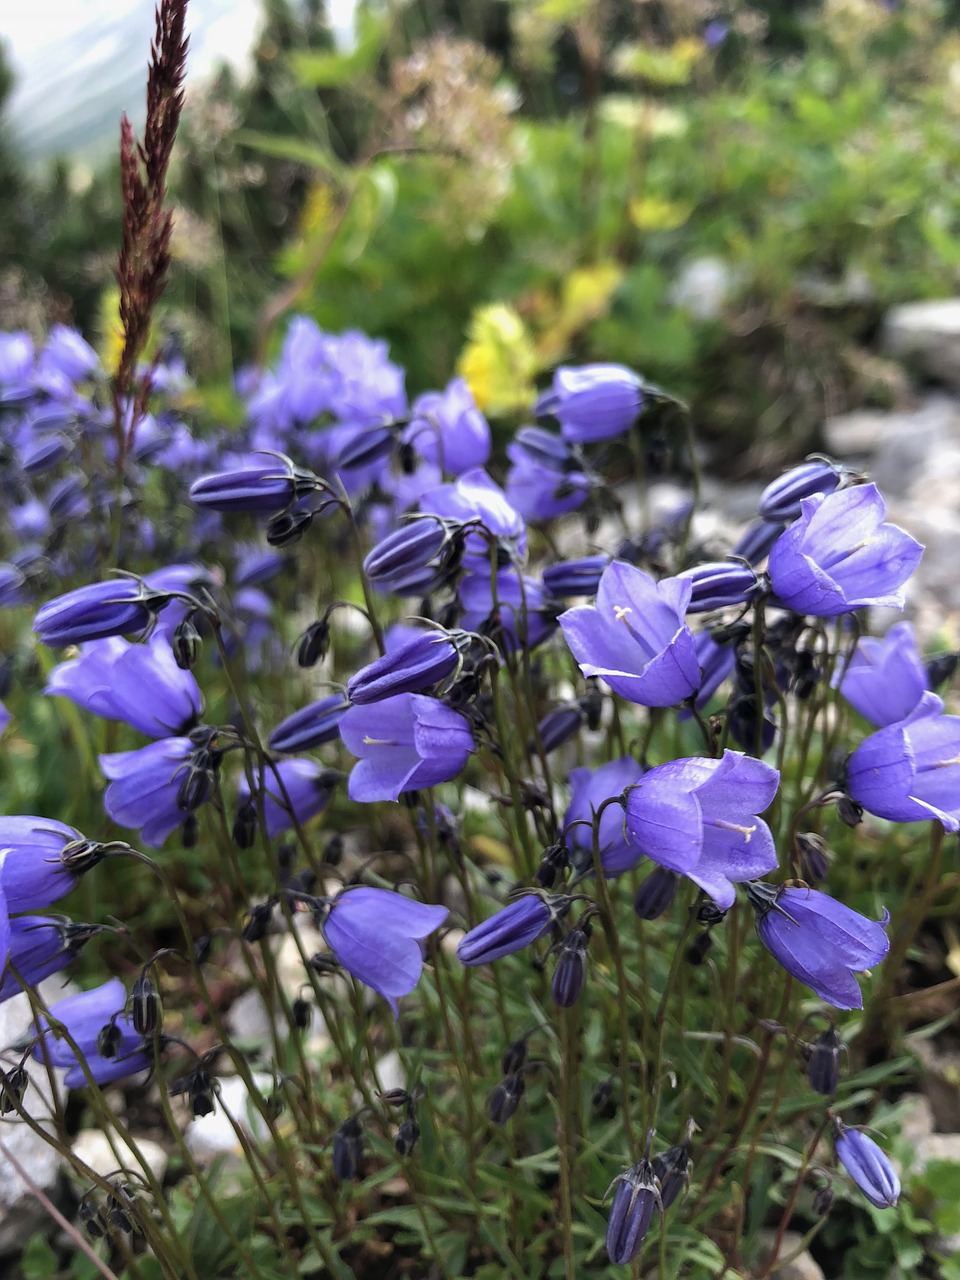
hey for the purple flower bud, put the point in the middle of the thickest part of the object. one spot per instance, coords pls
(655, 896)
(311, 726)
(781, 499)
(867, 1165)
(571, 968)
(631, 1213)
(575, 577)
(841, 555)
(823, 1062)
(375, 935)
(407, 562)
(404, 743)
(118, 607)
(511, 928)
(506, 1097)
(698, 817)
(415, 666)
(366, 447)
(593, 402)
(448, 430)
(910, 771)
(145, 785)
(44, 453)
(819, 940)
(12, 583)
(348, 1151)
(755, 542)
(720, 585)
(546, 477)
(262, 485)
(885, 679)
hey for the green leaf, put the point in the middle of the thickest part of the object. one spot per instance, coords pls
(311, 154)
(339, 70)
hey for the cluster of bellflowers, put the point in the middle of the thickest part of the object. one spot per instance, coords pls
(353, 601)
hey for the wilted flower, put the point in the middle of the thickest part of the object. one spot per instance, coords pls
(867, 1165)
(593, 402)
(375, 935)
(447, 429)
(885, 679)
(819, 940)
(140, 684)
(910, 771)
(635, 637)
(404, 743)
(840, 555)
(699, 817)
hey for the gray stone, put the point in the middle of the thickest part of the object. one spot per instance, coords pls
(100, 1153)
(703, 287)
(916, 1117)
(801, 1265)
(897, 448)
(926, 335)
(214, 1135)
(937, 1146)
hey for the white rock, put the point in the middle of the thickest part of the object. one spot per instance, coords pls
(937, 1146)
(93, 1147)
(703, 287)
(210, 1136)
(390, 1072)
(926, 335)
(803, 1267)
(249, 1019)
(916, 1117)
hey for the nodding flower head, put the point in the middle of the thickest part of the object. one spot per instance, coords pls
(512, 928)
(118, 607)
(261, 484)
(867, 1165)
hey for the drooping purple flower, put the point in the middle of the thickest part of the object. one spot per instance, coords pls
(261, 484)
(781, 498)
(699, 817)
(409, 561)
(510, 929)
(66, 356)
(546, 477)
(447, 429)
(303, 786)
(106, 1056)
(867, 1164)
(634, 1201)
(575, 577)
(40, 946)
(118, 607)
(311, 726)
(819, 940)
(841, 555)
(885, 679)
(635, 637)
(416, 665)
(157, 787)
(36, 866)
(139, 684)
(720, 584)
(910, 771)
(589, 789)
(717, 662)
(476, 499)
(375, 935)
(593, 402)
(519, 614)
(404, 743)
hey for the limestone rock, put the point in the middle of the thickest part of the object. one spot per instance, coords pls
(802, 1267)
(926, 335)
(94, 1148)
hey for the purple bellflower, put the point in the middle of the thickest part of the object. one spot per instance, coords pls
(636, 1197)
(521, 616)
(447, 429)
(157, 787)
(699, 817)
(41, 860)
(375, 935)
(910, 771)
(635, 638)
(40, 946)
(867, 1164)
(120, 606)
(86, 1016)
(781, 498)
(819, 940)
(510, 929)
(475, 498)
(841, 555)
(311, 726)
(404, 743)
(418, 664)
(263, 484)
(546, 477)
(305, 784)
(139, 684)
(592, 402)
(885, 679)
(589, 789)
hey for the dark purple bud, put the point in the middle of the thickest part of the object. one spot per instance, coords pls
(603, 1100)
(506, 1097)
(265, 484)
(697, 951)
(313, 644)
(288, 527)
(939, 669)
(413, 667)
(146, 1011)
(591, 704)
(13, 1087)
(823, 1200)
(367, 447)
(514, 1056)
(186, 644)
(849, 812)
(635, 1199)
(867, 1165)
(190, 831)
(553, 863)
(245, 826)
(310, 727)
(109, 1039)
(348, 1151)
(511, 929)
(407, 1137)
(121, 606)
(755, 542)
(781, 499)
(201, 1094)
(709, 914)
(258, 921)
(301, 1010)
(92, 1219)
(672, 1171)
(406, 561)
(118, 1208)
(559, 726)
(823, 1063)
(571, 968)
(720, 585)
(812, 857)
(655, 896)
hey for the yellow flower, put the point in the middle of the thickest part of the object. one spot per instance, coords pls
(499, 360)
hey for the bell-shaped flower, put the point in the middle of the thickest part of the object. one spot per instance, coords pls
(593, 401)
(515, 611)
(375, 935)
(867, 1164)
(40, 946)
(404, 743)
(419, 663)
(139, 684)
(819, 940)
(910, 771)
(885, 679)
(447, 429)
(635, 637)
(841, 555)
(636, 1197)
(109, 1046)
(41, 860)
(118, 607)
(476, 499)
(296, 790)
(157, 787)
(589, 789)
(260, 484)
(512, 928)
(699, 817)
(546, 477)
